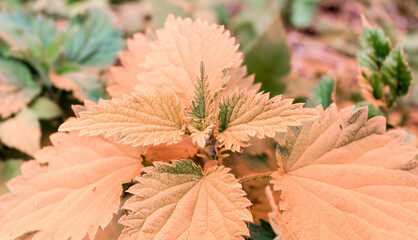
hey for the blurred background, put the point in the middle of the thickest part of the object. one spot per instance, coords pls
(55, 53)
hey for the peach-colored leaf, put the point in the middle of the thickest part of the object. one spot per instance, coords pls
(178, 51)
(239, 80)
(341, 178)
(276, 220)
(179, 201)
(70, 190)
(22, 132)
(17, 87)
(245, 114)
(138, 119)
(182, 150)
(125, 78)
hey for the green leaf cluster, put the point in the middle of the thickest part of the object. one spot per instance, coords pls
(322, 94)
(94, 43)
(383, 65)
(202, 104)
(34, 50)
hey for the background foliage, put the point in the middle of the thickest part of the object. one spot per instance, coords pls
(56, 53)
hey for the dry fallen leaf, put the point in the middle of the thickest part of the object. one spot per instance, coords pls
(179, 201)
(70, 190)
(340, 177)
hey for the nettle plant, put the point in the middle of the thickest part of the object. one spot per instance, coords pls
(182, 102)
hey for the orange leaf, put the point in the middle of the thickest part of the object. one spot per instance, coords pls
(276, 220)
(183, 150)
(71, 189)
(179, 201)
(125, 78)
(341, 178)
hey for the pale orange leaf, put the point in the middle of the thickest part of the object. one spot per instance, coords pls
(341, 178)
(70, 190)
(22, 132)
(239, 81)
(245, 114)
(182, 150)
(138, 119)
(179, 201)
(178, 51)
(125, 78)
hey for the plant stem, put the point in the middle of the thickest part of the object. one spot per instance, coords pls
(254, 176)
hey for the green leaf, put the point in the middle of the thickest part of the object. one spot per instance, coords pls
(226, 107)
(95, 43)
(46, 109)
(17, 73)
(268, 57)
(375, 81)
(374, 47)
(372, 112)
(31, 38)
(162, 8)
(8, 170)
(262, 232)
(202, 104)
(26, 32)
(396, 72)
(302, 12)
(83, 84)
(322, 94)
(68, 67)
